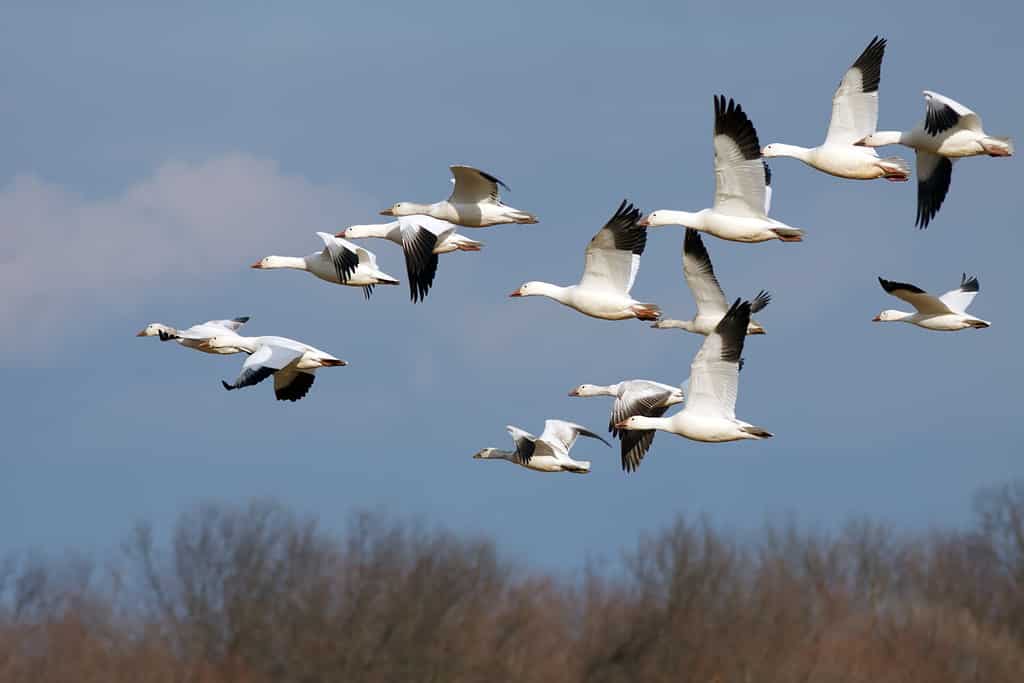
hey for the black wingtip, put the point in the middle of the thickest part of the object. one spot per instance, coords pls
(732, 121)
(241, 319)
(226, 385)
(889, 286)
(870, 64)
(969, 284)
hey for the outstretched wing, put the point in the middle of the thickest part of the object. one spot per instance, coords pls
(234, 324)
(343, 255)
(915, 296)
(934, 173)
(420, 260)
(613, 255)
(262, 363)
(525, 443)
(640, 398)
(700, 276)
(714, 373)
(473, 186)
(560, 435)
(960, 298)
(942, 113)
(291, 384)
(741, 176)
(855, 103)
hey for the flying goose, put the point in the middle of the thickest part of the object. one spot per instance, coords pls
(548, 452)
(854, 117)
(710, 410)
(340, 262)
(949, 131)
(292, 363)
(195, 337)
(474, 203)
(742, 186)
(707, 293)
(944, 313)
(610, 268)
(633, 397)
(422, 238)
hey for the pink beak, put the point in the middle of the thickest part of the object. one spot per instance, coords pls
(387, 212)
(141, 334)
(258, 264)
(877, 319)
(643, 222)
(515, 293)
(341, 234)
(620, 425)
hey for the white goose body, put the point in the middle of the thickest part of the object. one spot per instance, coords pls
(854, 117)
(340, 262)
(197, 336)
(712, 305)
(946, 313)
(709, 414)
(475, 202)
(548, 452)
(422, 238)
(948, 131)
(742, 187)
(634, 397)
(290, 362)
(612, 260)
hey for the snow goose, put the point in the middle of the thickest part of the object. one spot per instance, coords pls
(474, 203)
(944, 313)
(548, 452)
(633, 397)
(292, 363)
(711, 302)
(195, 337)
(340, 262)
(949, 131)
(610, 268)
(422, 238)
(742, 186)
(710, 410)
(854, 117)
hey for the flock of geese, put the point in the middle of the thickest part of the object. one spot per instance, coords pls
(739, 213)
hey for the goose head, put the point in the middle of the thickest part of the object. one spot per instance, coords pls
(401, 209)
(484, 453)
(585, 390)
(529, 289)
(889, 316)
(152, 330)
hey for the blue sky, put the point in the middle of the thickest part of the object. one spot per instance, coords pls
(153, 154)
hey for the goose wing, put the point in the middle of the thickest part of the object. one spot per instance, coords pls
(714, 373)
(921, 300)
(960, 298)
(291, 384)
(559, 436)
(613, 255)
(262, 363)
(473, 186)
(700, 276)
(942, 113)
(639, 398)
(934, 173)
(419, 238)
(525, 442)
(855, 103)
(741, 175)
(234, 324)
(344, 255)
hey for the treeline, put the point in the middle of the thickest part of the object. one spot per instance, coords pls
(256, 594)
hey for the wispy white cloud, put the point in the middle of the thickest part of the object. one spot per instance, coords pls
(65, 257)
